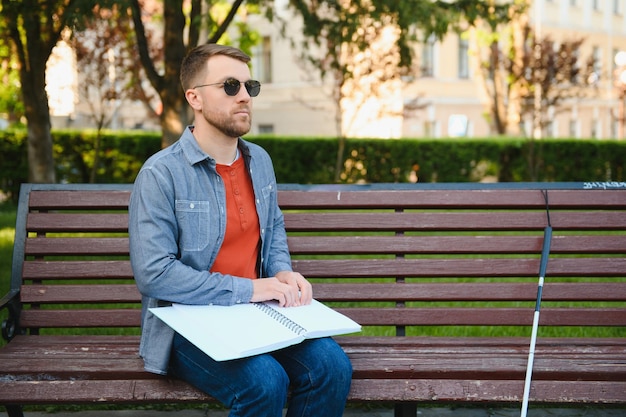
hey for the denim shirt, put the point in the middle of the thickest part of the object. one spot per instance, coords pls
(177, 222)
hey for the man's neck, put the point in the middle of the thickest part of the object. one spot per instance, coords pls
(219, 147)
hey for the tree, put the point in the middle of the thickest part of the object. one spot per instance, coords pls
(553, 77)
(185, 25)
(109, 74)
(500, 53)
(33, 28)
(11, 106)
(558, 69)
(342, 34)
(529, 78)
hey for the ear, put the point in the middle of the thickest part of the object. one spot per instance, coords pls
(193, 99)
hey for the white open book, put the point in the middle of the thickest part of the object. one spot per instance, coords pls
(232, 332)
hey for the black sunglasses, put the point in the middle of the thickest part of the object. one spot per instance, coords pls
(232, 86)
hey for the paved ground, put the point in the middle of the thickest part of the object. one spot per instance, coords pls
(353, 412)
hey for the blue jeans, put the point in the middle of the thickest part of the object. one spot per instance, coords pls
(317, 371)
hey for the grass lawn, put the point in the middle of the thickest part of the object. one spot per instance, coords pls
(7, 231)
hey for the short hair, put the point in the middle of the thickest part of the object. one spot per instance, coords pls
(194, 64)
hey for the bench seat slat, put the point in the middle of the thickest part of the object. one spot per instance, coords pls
(113, 359)
(475, 390)
(110, 346)
(451, 346)
(422, 390)
(387, 366)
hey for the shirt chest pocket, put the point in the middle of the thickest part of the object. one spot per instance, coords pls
(194, 218)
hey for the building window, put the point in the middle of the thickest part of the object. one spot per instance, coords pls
(551, 129)
(430, 129)
(428, 57)
(616, 8)
(262, 61)
(266, 129)
(573, 128)
(596, 5)
(597, 60)
(595, 129)
(463, 58)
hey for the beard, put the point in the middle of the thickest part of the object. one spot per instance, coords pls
(232, 126)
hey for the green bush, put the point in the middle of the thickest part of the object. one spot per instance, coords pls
(13, 161)
(311, 160)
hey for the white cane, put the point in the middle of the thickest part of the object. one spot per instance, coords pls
(545, 253)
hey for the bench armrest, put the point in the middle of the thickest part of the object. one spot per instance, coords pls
(10, 326)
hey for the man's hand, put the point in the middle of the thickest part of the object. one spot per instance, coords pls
(296, 281)
(290, 289)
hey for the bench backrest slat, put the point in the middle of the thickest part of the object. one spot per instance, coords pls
(459, 267)
(77, 222)
(440, 292)
(457, 221)
(453, 244)
(79, 318)
(78, 246)
(66, 270)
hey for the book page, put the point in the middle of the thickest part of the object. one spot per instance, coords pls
(318, 320)
(226, 333)
(231, 332)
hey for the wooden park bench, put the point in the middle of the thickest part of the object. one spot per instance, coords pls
(443, 278)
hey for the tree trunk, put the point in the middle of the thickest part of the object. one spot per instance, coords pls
(40, 159)
(173, 118)
(175, 114)
(498, 104)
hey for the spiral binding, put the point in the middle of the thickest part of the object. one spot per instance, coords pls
(285, 321)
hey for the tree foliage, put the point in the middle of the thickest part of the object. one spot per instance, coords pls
(559, 70)
(33, 28)
(110, 77)
(11, 106)
(530, 78)
(341, 31)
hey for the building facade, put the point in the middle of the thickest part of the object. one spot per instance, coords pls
(444, 96)
(450, 93)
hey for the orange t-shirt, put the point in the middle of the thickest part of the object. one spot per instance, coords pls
(240, 249)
